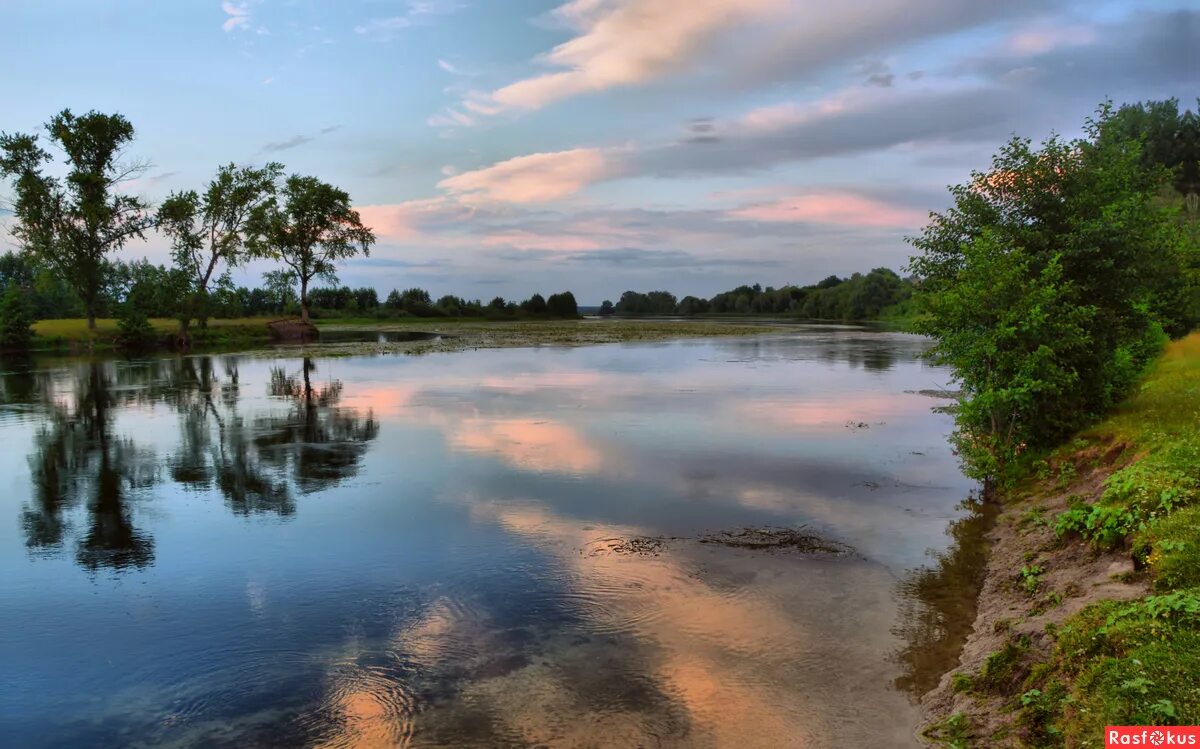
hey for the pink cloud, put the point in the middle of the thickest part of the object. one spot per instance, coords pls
(536, 178)
(835, 207)
(238, 16)
(404, 220)
(1037, 41)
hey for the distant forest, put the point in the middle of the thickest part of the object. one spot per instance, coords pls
(157, 289)
(875, 295)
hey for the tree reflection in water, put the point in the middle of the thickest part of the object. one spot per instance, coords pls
(256, 462)
(939, 602)
(320, 441)
(78, 461)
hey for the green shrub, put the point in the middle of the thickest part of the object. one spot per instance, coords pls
(16, 320)
(134, 329)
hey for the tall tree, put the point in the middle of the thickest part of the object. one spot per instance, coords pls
(212, 230)
(313, 229)
(71, 224)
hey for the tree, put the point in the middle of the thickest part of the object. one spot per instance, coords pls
(606, 307)
(313, 229)
(1041, 288)
(535, 305)
(562, 305)
(211, 230)
(73, 223)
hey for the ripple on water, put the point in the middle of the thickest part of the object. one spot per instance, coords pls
(363, 706)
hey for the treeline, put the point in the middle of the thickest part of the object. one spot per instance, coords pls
(416, 302)
(1058, 274)
(859, 297)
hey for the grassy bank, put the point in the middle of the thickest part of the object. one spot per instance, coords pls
(457, 333)
(1090, 613)
(73, 333)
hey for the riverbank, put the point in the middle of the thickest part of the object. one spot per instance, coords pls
(430, 334)
(1089, 613)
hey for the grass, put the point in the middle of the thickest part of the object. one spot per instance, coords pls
(74, 332)
(1132, 663)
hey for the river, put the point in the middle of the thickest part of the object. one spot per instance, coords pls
(506, 547)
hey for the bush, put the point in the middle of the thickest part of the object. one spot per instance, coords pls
(16, 321)
(133, 328)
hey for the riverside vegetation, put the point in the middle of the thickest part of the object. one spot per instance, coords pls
(1049, 287)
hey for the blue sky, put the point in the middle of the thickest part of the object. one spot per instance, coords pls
(511, 146)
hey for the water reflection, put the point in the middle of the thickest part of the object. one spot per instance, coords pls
(321, 442)
(77, 460)
(80, 459)
(939, 602)
(398, 550)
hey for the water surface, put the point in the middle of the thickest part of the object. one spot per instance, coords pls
(382, 551)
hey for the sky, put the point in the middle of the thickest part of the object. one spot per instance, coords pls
(503, 147)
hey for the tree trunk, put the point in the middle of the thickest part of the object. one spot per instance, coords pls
(304, 299)
(91, 315)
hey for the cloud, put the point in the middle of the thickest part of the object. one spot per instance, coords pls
(286, 145)
(642, 258)
(527, 240)
(297, 140)
(858, 120)
(1143, 56)
(417, 12)
(536, 178)
(618, 43)
(625, 43)
(407, 220)
(1038, 40)
(237, 16)
(841, 208)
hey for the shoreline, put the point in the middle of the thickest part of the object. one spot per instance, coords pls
(1044, 664)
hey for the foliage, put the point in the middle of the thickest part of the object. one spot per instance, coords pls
(860, 297)
(314, 229)
(16, 320)
(212, 230)
(134, 328)
(1042, 287)
(71, 224)
(562, 305)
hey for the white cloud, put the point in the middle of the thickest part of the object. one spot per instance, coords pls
(416, 13)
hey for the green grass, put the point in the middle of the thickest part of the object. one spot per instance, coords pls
(1133, 663)
(74, 333)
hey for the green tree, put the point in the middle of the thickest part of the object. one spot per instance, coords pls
(1040, 287)
(562, 305)
(606, 307)
(210, 231)
(16, 321)
(313, 229)
(535, 305)
(71, 224)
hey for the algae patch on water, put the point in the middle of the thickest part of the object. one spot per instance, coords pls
(764, 539)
